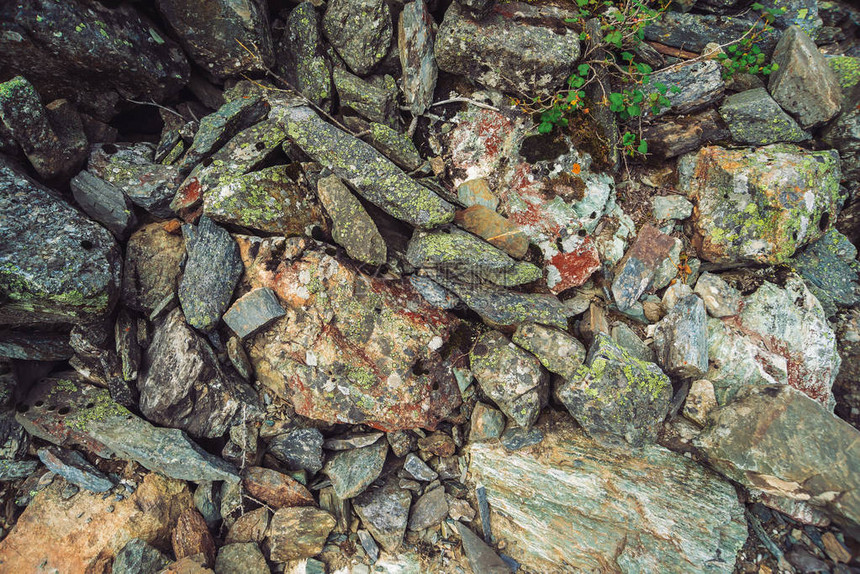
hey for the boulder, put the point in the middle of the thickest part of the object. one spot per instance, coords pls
(755, 118)
(360, 32)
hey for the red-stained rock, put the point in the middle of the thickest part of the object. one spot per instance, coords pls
(276, 489)
(191, 536)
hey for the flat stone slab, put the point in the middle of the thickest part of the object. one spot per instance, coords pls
(253, 311)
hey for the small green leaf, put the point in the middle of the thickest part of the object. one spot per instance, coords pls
(757, 6)
(583, 69)
(674, 89)
(545, 127)
(627, 56)
(643, 147)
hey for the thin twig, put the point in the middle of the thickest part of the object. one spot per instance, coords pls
(464, 100)
(166, 109)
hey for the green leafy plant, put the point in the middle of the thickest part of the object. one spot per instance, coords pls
(745, 56)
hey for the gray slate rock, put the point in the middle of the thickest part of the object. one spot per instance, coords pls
(681, 339)
(700, 84)
(301, 56)
(517, 438)
(804, 85)
(418, 469)
(429, 510)
(720, 298)
(211, 274)
(105, 203)
(755, 118)
(695, 31)
(558, 351)
(75, 468)
(510, 376)
(415, 44)
(360, 32)
(210, 32)
(668, 207)
(352, 227)
(299, 449)
(830, 268)
(509, 49)
(138, 557)
(56, 266)
(481, 557)
(434, 293)
(253, 311)
(636, 270)
(372, 175)
(617, 397)
(385, 512)
(627, 339)
(352, 471)
(374, 99)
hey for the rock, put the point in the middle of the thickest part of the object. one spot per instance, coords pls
(301, 56)
(477, 192)
(671, 207)
(481, 557)
(188, 565)
(131, 168)
(720, 298)
(211, 274)
(372, 175)
(30, 124)
(803, 84)
(487, 423)
(830, 268)
(418, 469)
(636, 270)
(138, 557)
(558, 351)
(30, 345)
(755, 118)
(627, 339)
(309, 356)
(352, 228)
(56, 266)
(508, 49)
(780, 337)
(699, 84)
(250, 527)
(700, 401)
(681, 339)
(127, 348)
(84, 532)
(207, 500)
(384, 512)
(673, 294)
(266, 200)
(275, 489)
(835, 549)
(98, 424)
(368, 544)
(467, 256)
(517, 438)
(775, 439)
(495, 229)
(211, 34)
(300, 449)
(844, 135)
(241, 558)
(152, 267)
(396, 146)
(351, 471)
(298, 532)
(695, 31)
(17, 469)
(438, 444)
(429, 510)
(673, 136)
(742, 213)
(616, 396)
(360, 32)
(433, 293)
(510, 376)
(91, 54)
(374, 99)
(415, 46)
(253, 311)
(186, 387)
(191, 536)
(628, 536)
(75, 468)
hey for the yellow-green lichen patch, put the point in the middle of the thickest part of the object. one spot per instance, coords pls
(103, 407)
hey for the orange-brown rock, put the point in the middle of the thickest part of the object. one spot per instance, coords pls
(496, 229)
(250, 527)
(83, 533)
(191, 536)
(438, 443)
(276, 489)
(188, 565)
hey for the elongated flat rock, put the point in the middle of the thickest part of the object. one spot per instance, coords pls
(372, 175)
(569, 505)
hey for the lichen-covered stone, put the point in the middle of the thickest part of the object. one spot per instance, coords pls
(396, 146)
(360, 32)
(211, 273)
(373, 176)
(56, 266)
(374, 98)
(830, 268)
(152, 267)
(352, 227)
(615, 396)
(301, 56)
(494, 228)
(433, 293)
(510, 376)
(352, 349)
(558, 351)
(803, 84)
(761, 206)
(695, 31)
(681, 339)
(211, 32)
(352, 471)
(415, 39)
(514, 48)
(105, 203)
(755, 118)
(298, 532)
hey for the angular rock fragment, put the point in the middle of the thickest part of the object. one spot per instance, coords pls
(830, 268)
(75, 468)
(56, 266)
(211, 274)
(576, 480)
(215, 34)
(697, 85)
(352, 227)
(396, 146)
(298, 532)
(673, 136)
(241, 558)
(481, 557)
(700, 401)
(720, 298)
(384, 512)
(299, 449)
(191, 536)
(105, 203)
(372, 175)
(761, 206)
(253, 311)
(616, 396)
(352, 471)
(138, 557)
(360, 32)
(558, 351)
(508, 49)
(152, 267)
(250, 527)
(755, 118)
(415, 45)
(301, 56)
(510, 376)
(777, 440)
(638, 267)
(434, 293)
(275, 489)
(418, 469)
(671, 207)
(494, 228)
(695, 31)
(477, 192)
(429, 510)
(681, 339)
(487, 423)
(374, 99)
(803, 84)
